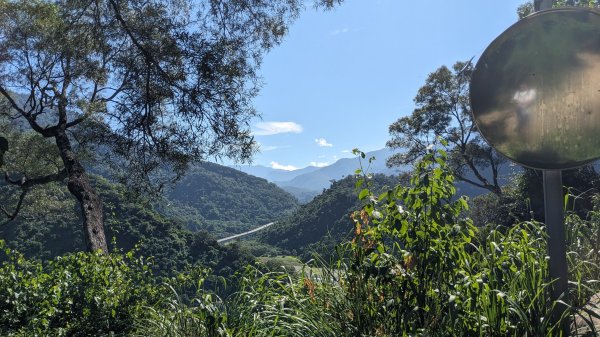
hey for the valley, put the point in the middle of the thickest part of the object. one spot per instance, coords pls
(130, 204)
(293, 212)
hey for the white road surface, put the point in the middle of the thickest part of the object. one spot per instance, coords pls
(229, 238)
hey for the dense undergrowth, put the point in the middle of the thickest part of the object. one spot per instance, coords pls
(415, 267)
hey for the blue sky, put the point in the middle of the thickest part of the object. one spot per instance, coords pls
(341, 77)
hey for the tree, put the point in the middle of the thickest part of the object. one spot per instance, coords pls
(570, 3)
(525, 9)
(147, 84)
(535, 5)
(444, 110)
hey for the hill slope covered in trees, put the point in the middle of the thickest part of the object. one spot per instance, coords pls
(226, 201)
(323, 222)
(49, 225)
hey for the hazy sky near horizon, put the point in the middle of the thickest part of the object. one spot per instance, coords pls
(341, 77)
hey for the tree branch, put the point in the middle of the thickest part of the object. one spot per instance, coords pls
(147, 55)
(494, 167)
(469, 161)
(25, 184)
(13, 216)
(474, 183)
(46, 132)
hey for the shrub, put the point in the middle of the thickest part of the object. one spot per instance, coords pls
(419, 267)
(82, 294)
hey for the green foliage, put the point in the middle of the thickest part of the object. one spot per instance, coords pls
(416, 267)
(173, 315)
(491, 210)
(48, 227)
(420, 268)
(525, 9)
(289, 264)
(523, 200)
(528, 8)
(126, 62)
(583, 240)
(257, 248)
(83, 294)
(410, 246)
(507, 290)
(577, 3)
(28, 153)
(579, 184)
(322, 223)
(279, 304)
(146, 87)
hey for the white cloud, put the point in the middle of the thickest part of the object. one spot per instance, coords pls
(346, 151)
(323, 142)
(278, 166)
(314, 163)
(273, 128)
(269, 148)
(265, 148)
(339, 31)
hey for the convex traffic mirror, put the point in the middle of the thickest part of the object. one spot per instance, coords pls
(535, 91)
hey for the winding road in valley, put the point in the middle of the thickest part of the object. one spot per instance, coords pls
(229, 238)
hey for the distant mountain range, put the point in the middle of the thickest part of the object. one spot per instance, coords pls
(306, 183)
(273, 175)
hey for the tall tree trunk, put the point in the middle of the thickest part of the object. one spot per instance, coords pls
(79, 185)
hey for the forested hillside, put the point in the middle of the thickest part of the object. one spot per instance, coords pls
(49, 226)
(325, 221)
(226, 200)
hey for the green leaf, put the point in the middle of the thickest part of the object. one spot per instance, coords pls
(403, 228)
(363, 194)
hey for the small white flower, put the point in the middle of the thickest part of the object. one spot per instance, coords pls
(377, 214)
(400, 209)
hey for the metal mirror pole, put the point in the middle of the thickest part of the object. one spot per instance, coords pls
(553, 209)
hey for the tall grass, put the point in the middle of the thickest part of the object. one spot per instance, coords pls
(279, 304)
(173, 317)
